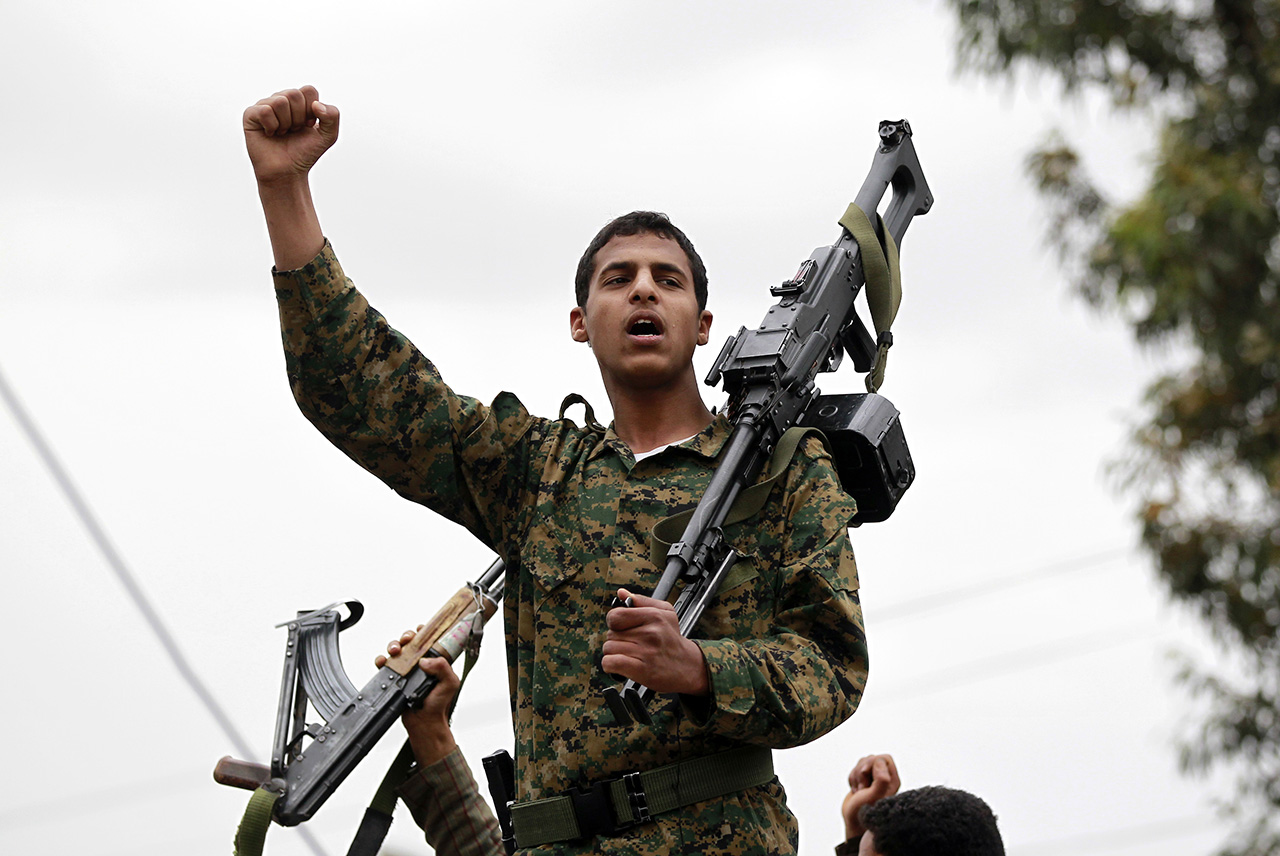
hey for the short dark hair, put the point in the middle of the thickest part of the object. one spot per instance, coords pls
(933, 821)
(639, 223)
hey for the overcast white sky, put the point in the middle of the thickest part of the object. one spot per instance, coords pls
(482, 145)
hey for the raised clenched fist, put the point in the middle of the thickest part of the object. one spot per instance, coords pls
(287, 133)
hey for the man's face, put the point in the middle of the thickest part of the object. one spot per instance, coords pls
(642, 317)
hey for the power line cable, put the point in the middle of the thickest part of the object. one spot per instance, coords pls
(1118, 839)
(935, 600)
(45, 452)
(122, 572)
(1015, 661)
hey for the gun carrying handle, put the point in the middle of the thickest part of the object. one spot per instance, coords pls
(896, 165)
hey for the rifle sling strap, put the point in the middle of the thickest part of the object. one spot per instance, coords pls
(252, 832)
(884, 282)
(669, 529)
(377, 817)
(612, 805)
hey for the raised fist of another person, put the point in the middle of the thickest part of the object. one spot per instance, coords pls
(872, 779)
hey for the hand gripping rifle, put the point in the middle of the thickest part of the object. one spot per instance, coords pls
(769, 375)
(309, 761)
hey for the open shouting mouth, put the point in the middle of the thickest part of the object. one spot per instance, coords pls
(645, 327)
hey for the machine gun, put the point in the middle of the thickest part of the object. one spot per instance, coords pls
(309, 761)
(769, 374)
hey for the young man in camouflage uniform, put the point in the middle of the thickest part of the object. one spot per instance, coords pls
(777, 661)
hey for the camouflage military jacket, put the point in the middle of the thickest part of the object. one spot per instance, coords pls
(570, 510)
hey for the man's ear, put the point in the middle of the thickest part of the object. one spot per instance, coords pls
(578, 324)
(704, 327)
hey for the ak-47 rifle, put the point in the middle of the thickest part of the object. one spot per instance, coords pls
(309, 761)
(769, 375)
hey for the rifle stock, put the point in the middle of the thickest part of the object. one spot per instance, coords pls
(241, 774)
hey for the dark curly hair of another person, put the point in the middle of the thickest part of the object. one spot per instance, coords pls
(933, 821)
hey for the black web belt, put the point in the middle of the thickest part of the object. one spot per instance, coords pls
(612, 805)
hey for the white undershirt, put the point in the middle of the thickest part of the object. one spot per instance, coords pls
(640, 456)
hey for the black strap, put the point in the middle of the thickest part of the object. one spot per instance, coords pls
(369, 837)
(377, 817)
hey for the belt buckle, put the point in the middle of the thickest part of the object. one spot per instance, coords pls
(593, 811)
(636, 796)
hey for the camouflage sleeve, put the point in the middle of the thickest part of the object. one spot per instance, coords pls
(805, 672)
(378, 399)
(446, 804)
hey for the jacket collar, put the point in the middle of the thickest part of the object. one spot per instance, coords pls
(707, 443)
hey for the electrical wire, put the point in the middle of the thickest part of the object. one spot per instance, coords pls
(122, 572)
(935, 600)
(131, 586)
(1016, 661)
(1118, 839)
